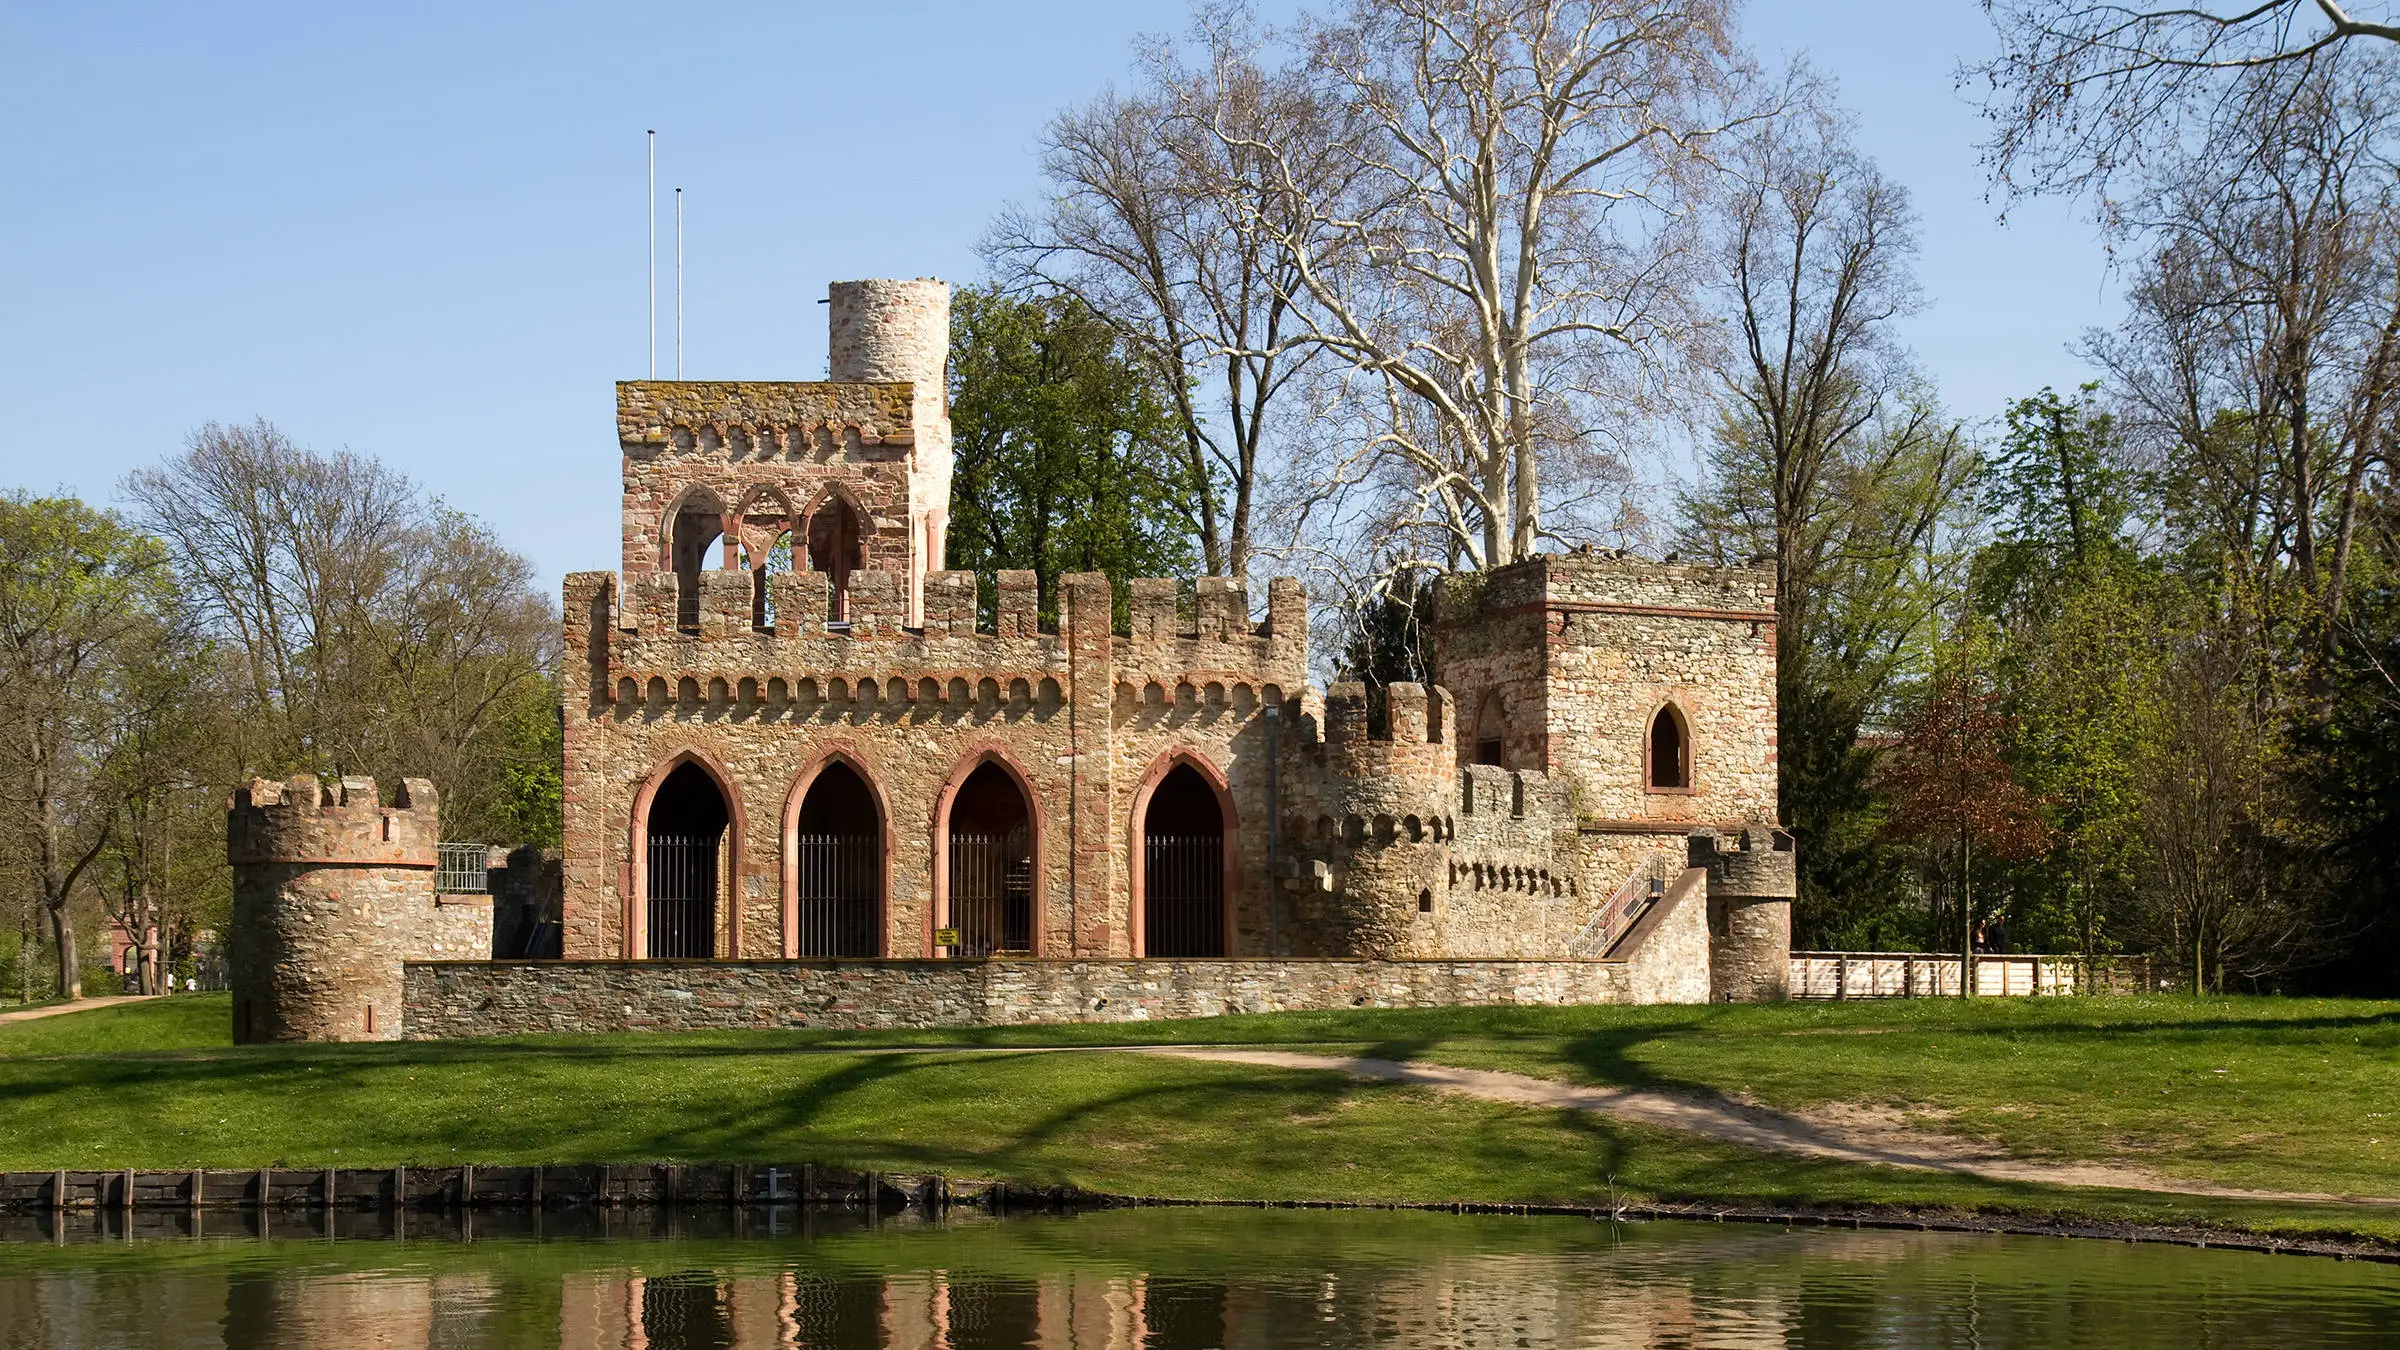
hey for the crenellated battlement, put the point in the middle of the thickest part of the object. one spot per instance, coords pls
(305, 821)
(1756, 862)
(642, 644)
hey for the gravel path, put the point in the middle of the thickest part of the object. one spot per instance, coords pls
(79, 1005)
(1849, 1134)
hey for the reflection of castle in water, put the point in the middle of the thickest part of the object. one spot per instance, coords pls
(1495, 1301)
(1155, 1280)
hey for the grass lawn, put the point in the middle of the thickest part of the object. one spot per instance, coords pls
(2299, 1104)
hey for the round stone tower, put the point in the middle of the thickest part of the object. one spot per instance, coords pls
(885, 332)
(1751, 882)
(332, 891)
(1386, 797)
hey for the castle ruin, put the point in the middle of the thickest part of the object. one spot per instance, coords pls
(813, 779)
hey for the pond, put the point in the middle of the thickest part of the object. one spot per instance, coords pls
(1153, 1279)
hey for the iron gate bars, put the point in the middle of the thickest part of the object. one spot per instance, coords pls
(991, 893)
(1183, 895)
(840, 878)
(683, 896)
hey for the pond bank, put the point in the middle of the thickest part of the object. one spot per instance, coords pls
(63, 1205)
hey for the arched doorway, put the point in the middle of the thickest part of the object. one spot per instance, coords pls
(1183, 867)
(837, 872)
(990, 900)
(686, 866)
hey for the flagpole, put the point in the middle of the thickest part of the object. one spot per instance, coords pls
(679, 283)
(650, 213)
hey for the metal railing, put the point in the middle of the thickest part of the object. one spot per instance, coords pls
(991, 893)
(1648, 884)
(840, 885)
(462, 869)
(683, 896)
(1183, 895)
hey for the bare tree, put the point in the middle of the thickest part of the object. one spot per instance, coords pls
(375, 629)
(1504, 262)
(2082, 90)
(2262, 353)
(1146, 224)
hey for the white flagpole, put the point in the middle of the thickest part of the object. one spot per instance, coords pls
(650, 213)
(679, 283)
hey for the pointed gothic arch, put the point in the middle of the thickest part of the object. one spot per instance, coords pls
(1667, 750)
(694, 861)
(837, 859)
(1188, 908)
(832, 535)
(987, 882)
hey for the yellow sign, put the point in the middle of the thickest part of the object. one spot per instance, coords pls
(945, 937)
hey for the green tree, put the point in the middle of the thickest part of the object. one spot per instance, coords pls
(1068, 457)
(85, 604)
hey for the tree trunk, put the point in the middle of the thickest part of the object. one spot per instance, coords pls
(62, 934)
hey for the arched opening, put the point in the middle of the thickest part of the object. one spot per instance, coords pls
(990, 880)
(1183, 867)
(686, 864)
(765, 524)
(837, 866)
(698, 522)
(1491, 730)
(836, 547)
(1669, 754)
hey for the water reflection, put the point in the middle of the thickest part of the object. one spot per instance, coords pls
(1137, 1280)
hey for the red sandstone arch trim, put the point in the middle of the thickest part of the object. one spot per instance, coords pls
(675, 507)
(1690, 767)
(833, 491)
(1138, 833)
(987, 752)
(635, 885)
(845, 753)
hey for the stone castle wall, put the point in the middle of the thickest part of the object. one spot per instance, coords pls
(1081, 717)
(491, 998)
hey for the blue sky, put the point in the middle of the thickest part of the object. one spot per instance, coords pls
(416, 231)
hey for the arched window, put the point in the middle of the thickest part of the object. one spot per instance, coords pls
(836, 547)
(764, 527)
(1668, 756)
(699, 521)
(1491, 730)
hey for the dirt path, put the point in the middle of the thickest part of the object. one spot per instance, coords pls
(79, 1005)
(1853, 1134)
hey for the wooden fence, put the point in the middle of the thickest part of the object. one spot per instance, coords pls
(1848, 975)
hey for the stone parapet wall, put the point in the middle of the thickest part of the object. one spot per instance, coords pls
(450, 999)
(1666, 961)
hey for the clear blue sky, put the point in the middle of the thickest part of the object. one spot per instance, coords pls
(416, 230)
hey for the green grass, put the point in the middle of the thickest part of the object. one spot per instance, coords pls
(157, 1085)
